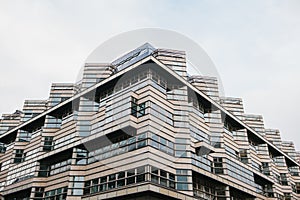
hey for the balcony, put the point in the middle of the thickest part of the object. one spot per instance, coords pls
(203, 148)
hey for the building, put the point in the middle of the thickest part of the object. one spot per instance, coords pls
(142, 128)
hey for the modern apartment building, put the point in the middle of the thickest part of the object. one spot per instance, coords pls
(142, 128)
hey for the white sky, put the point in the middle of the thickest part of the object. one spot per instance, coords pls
(254, 44)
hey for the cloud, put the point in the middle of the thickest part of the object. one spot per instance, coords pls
(254, 45)
(45, 42)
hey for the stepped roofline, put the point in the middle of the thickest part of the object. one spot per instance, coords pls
(133, 59)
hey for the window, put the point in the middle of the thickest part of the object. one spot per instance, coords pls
(143, 75)
(130, 180)
(294, 171)
(140, 178)
(81, 156)
(218, 166)
(162, 177)
(180, 147)
(265, 168)
(154, 178)
(172, 180)
(182, 171)
(19, 156)
(77, 185)
(48, 170)
(131, 172)
(140, 170)
(38, 192)
(112, 177)
(182, 186)
(60, 193)
(137, 110)
(142, 136)
(134, 106)
(141, 144)
(132, 147)
(283, 179)
(294, 188)
(102, 187)
(155, 77)
(163, 173)
(287, 196)
(182, 178)
(161, 144)
(94, 187)
(24, 136)
(181, 154)
(154, 137)
(121, 183)
(279, 161)
(48, 143)
(44, 171)
(2, 148)
(161, 113)
(131, 176)
(244, 156)
(52, 122)
(121, 175)
(112, 185)
(154, 170)
(118, 148)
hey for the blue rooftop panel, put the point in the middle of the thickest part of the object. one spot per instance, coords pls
(133, 56)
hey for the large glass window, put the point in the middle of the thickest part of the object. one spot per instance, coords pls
(112, 181)
(118, 148)
(128, 177)
(49, 170)
(235, 170)
(60, 167)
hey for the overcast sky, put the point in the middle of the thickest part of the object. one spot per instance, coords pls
(255, 46)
